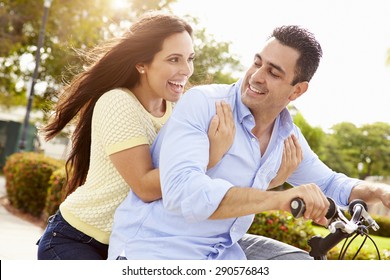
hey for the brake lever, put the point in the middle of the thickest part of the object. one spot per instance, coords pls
(364, 213)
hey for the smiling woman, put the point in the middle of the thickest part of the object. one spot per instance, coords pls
(145, 70)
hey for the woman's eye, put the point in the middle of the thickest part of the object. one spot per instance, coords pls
(174, 59)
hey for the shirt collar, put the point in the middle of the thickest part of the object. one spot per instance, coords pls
(286, 123)
(242, 110)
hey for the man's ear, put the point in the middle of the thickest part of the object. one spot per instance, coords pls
(299, 89)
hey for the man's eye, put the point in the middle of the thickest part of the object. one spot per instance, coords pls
(257, 64)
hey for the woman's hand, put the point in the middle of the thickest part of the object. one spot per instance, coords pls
(292, 157)
(221, 133)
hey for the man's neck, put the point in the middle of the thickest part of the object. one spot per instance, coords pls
(263, 124)
(263, 130)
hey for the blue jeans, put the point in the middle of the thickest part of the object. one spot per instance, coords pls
(263, 248)
(61, 241)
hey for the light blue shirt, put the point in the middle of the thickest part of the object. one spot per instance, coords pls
(177, 227)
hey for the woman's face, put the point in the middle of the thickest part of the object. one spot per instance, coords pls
(167, 74)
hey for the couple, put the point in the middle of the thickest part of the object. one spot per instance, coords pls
(210, 192)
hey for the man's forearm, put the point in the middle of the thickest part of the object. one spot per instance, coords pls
(244, 201)
(370, 192)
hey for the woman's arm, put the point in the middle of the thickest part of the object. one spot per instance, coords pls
(136, 167)
(221, 133)
(292, 157)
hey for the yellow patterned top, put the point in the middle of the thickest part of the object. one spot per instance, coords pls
(119, 122)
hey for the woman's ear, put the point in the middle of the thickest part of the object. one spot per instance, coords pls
(299, 89)
(140, 68)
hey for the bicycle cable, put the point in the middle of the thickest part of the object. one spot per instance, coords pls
(361, 231)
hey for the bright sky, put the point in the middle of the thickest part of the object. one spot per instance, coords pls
(352, 82)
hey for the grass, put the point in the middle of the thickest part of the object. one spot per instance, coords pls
(383, 243)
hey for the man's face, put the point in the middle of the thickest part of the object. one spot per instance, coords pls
(267, 83)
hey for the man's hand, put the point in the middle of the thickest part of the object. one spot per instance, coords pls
(371, 192)
(316, 203)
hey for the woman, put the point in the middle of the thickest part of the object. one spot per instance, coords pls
(120, 102)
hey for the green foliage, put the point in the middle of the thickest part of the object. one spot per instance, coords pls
(284, 227)
(367, 146)
(55, 192)
(348, 147)
(314, 135)
(384, 226)
(214, 63)
(27, 175)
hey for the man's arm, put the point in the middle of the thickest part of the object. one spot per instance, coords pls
(184, 156)
(371, 192)
(245, 201)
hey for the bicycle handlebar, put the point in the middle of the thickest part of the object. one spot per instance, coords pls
(298, 207)
(339, 226)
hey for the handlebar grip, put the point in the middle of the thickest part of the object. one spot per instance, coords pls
(298, 207)
(351, 206)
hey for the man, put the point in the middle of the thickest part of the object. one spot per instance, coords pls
(205, 214)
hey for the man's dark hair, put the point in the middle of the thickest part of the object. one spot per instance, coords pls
(306, 44)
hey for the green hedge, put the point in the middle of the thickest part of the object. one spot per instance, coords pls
(284, 227)
(384, 226)
(27, 177)
(55, 192)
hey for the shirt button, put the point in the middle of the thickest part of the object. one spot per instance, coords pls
(253, 139)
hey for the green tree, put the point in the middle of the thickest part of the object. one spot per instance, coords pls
(335, 158)
(342, 148)
(361, 151)
(374, 149)
(213, 63)
(70, 24)
(314, 135)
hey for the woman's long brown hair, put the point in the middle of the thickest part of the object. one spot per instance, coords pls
(111, 65)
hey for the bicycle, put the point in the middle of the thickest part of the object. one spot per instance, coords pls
(340, 227)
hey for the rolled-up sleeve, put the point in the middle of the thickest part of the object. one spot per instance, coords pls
(312, 170)
(184, 156)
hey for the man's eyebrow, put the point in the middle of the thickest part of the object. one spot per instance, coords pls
(277, 67)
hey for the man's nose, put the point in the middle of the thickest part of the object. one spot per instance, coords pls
(259, 75)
